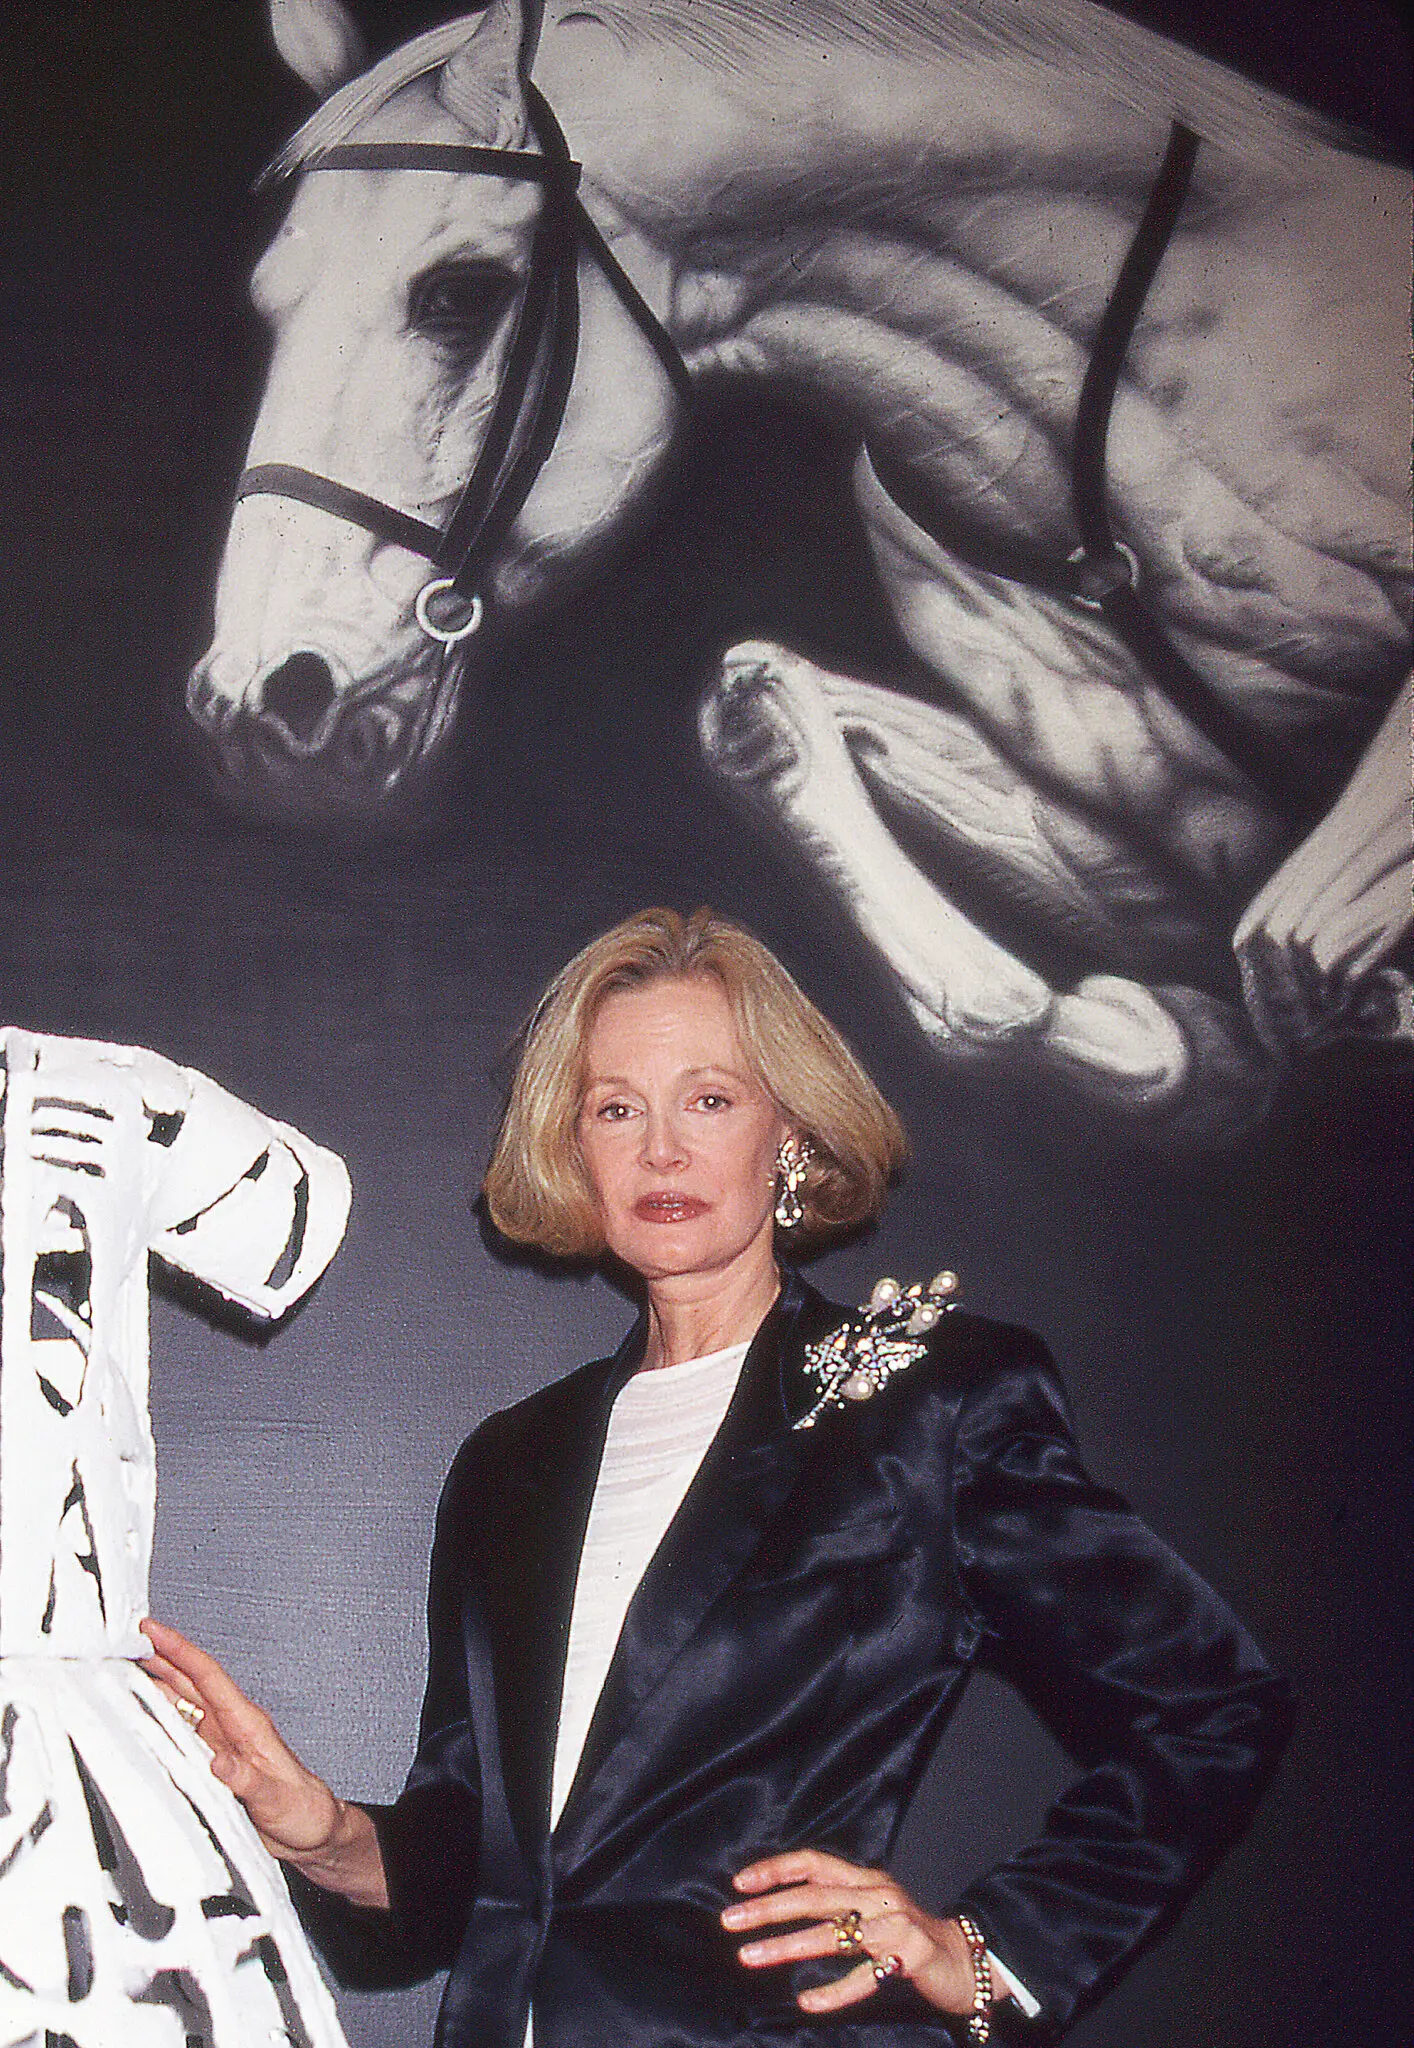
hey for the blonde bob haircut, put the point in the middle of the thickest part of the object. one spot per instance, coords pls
(536, 1188)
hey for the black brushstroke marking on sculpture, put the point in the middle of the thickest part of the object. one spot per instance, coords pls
(53, 2040)
(37, 1827)
(51, 1394)
(265, 1952)
(237, 1903)
(294, 1244)
(63, 1131)
(9, 1721)
(61, 1286)
(87, 1561)
(135, 1906)
(68, 1275)
(252, 1172)
(164, 1124)
(8, 1976)
(78, 1952)
(46, 1621)
(88, 1166)
(81, 1108)
(64, 1277)
(179, 1991)
(161, 1726)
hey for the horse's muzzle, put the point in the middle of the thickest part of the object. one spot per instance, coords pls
(299, 747)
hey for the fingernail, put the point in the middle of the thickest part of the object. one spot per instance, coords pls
(734, 1916)
(751, 1953)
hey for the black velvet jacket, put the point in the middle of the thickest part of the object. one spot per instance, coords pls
(784, 1671)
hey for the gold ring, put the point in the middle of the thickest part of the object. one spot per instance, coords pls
(889, 1967)
(190, 1712)
(847, 1934)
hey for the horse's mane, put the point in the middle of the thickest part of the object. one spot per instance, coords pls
(346, 109)
(1086, 45)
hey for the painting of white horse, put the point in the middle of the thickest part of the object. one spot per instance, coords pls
(1122, 342)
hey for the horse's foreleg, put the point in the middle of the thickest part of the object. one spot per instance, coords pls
(1312, 943)
(775, 726)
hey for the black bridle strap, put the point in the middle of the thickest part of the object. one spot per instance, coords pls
(285, 480)
(455, 158)
(1088, 485)
(538, 368)
(534, 387)
(486, 519)
(1100, 573)
(634, 303)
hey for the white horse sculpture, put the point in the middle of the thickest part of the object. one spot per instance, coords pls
(917, 213)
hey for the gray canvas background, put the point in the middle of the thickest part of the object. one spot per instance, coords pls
(1236, 1332)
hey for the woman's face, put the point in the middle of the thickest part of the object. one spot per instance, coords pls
(677, 1135)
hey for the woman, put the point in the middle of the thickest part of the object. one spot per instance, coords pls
(699, 1612)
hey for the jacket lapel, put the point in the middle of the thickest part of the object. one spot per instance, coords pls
(741, 1484)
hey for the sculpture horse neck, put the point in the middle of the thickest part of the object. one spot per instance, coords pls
(530, 401)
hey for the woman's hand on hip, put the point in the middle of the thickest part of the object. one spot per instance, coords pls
(852, 1914)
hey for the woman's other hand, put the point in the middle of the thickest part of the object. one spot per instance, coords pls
(294, 1812)
(891, 1932)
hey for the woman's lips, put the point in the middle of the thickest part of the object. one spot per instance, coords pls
(668, 1208)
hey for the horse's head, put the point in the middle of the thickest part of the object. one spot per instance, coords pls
(463, 393)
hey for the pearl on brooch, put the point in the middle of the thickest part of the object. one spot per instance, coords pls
(861, 1357)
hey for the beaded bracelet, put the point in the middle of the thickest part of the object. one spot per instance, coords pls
(979, 2026)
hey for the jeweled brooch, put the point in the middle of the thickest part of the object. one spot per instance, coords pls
(882, 1338)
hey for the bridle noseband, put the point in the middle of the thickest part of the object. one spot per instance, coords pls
(529, 406)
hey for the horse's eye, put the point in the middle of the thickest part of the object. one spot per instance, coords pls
(460, 303)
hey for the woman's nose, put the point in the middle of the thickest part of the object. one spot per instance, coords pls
(663, 1146)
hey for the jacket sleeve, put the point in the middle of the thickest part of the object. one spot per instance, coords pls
(430, 1836)
(1138, 1667)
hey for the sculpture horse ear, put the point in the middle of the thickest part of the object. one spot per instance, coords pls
(319, 40)
(483, 84)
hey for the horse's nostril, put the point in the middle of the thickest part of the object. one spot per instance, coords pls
(299, 693)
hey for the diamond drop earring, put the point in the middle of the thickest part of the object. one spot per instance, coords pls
(791, 1162)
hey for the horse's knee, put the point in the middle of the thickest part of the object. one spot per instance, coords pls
(764, 722)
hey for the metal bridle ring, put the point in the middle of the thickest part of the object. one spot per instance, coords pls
(448, 636)
(1104, 574)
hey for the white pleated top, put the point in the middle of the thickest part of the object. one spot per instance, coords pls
(659, 1430)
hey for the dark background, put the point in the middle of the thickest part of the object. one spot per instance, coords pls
(1236, 1332)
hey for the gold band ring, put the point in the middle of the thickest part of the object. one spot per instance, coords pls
(890, 1966)
(190, 1712)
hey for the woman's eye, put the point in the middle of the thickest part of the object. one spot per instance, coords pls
(460, 303)
(613, 1112)
(712, 1099)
